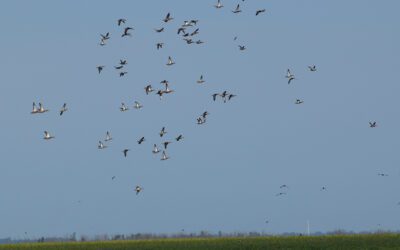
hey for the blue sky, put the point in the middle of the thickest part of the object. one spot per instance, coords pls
(226, 173)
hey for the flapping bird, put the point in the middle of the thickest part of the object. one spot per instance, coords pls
(168, 18)
(138, 189)
(237, 9)
(324, 189)
(118, 67)
(289, 76)
(201, 80)
(126, 32)
(162, 132)
(47, 136)
(148, 89)
(280, 194)
(230, 96)
(155, 150)
(42, 109)
(201, 120)
(123, 107)
(166, 144)
(259, 12)
(284, 186)
(180, 137)
(383, 174)
(372, 124)
(121, 74)
(164, 156)
(159, 45)
(121, 21)
(242, 47)
(108, 136)
(35, 110)
(159, 30)
(63, 109)
(100, 68)
(141, 140)
(123, 62)
(105, 37)
(312, 68)
(218, 5)
(298, 101)
(170, 62)
(195, 32)
(214, 96)
(101, 145)
(137, 105)
(125, 151)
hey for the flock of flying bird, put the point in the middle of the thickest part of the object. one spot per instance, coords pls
(188, 30)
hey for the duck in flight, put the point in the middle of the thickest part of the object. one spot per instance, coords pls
(100, 68)
(159, 30)
(170, 61)
(159, 45)
(168, 18)
(166, 144)
(101, 145)
(298, 101)
(180, 137)
(372, 124)
(162, 132)
(137, 105)
(35, 110)
(126, 32)
(123, 107)
(242, 47)
(148, 89)
(47, 136)
(141, 140)
(155, 150)
(138, 189)
(63, 109)
(312, 68)
(121, 21)
(125, 151)
(42, 109)
(201, 80)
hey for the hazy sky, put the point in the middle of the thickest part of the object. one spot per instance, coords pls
(225, 174)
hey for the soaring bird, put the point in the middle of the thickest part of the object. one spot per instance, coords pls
(138, 189)
(164, 156)
(125, 151)
(200, 81)
(35, 110)
(159, 30)
(101, 145)
(170, 62)
(141, 140)
(180, 137)
(121, 21)
(166, 144)
(42, 109)
(162, 132)
(159, 45)
(126, 31)
(259, 12)
(148, 89)
(372, 124)
(47, 136)
(63, 109)
(137, 105)
(298, 101)
(118, 67)
(155, 150)
(168, 18)
(108, 136)
(237, 9)
(100, 68)
(123, 107)
(218, 5)
(312, 68)
(289, 76)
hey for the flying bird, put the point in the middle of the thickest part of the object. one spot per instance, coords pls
(312, 68)
(100, 68)
(63, 109)
(215, 96)
(159, 45)
(123, 62)
(162, 132)
(159, 30)
(280, 194)
(101, 145)
(170, 62)
(383, 174)
(372, 124)
(156, 150)
(218, 5)
(195, 32)
(121, 74)
(259, 12)
(289, 76)
(237, 10)
(123, 107)
(126, 32)
(230, 96)
(105, 37)
(137, 105)
(47, 136)
(242, 47)
(121, 21)
(108, 136)
(298, 101)
(138, 189)
(148, 89)
(180, 137)
(284, 186)
(166, 144)
(35, 110)
(200, 81)
(125, 151)
(42, 109)
(168, 18)
(141, 140)
(164, 156)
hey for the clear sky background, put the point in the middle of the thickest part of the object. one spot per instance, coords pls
(225, 174)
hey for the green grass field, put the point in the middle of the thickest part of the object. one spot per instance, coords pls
(374, 241)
